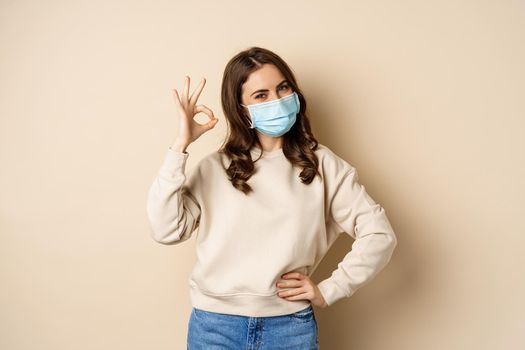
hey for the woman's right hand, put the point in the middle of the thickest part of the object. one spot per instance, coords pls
(189, 129)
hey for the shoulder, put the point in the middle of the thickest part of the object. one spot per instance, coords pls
(199, 176)
(330, 162)
(213, 160)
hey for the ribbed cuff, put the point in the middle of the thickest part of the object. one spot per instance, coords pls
(331, 291)
(174, 163)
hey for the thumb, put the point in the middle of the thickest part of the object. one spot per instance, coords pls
(209, 125)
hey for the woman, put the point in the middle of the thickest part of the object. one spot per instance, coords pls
(265, 207)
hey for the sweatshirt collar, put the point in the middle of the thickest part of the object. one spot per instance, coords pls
(255, 151)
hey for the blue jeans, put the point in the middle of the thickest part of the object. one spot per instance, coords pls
(210, 331)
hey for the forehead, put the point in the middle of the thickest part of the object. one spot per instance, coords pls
(266, 77)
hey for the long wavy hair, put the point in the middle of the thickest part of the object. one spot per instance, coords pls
(299, 143)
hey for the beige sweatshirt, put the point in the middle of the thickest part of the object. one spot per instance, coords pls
(245, 243)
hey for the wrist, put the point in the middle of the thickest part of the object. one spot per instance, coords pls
(179, 148)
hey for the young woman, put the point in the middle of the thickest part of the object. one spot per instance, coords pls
(265, 207)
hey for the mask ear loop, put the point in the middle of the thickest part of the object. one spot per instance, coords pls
(250, 119)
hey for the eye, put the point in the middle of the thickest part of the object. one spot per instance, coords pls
(282, 87)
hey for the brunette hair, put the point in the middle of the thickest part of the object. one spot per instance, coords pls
(299, 143)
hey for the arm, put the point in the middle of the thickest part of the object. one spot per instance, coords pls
(358, 215)
(172, 209)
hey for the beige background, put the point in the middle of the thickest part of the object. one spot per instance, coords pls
(424, 98)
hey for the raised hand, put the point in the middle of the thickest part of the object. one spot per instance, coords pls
(189, 129)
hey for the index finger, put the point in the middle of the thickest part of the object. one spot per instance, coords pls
(295, 274)
(204, 109)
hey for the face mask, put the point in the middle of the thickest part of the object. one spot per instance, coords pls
(274, 118)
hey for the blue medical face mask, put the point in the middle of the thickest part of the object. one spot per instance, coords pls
(274, 118)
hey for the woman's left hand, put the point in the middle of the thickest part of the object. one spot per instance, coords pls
(302, 288)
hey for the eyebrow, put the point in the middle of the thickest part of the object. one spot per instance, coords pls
(264, 90)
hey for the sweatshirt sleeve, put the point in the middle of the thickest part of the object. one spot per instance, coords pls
(358, 215)
(172, 209)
